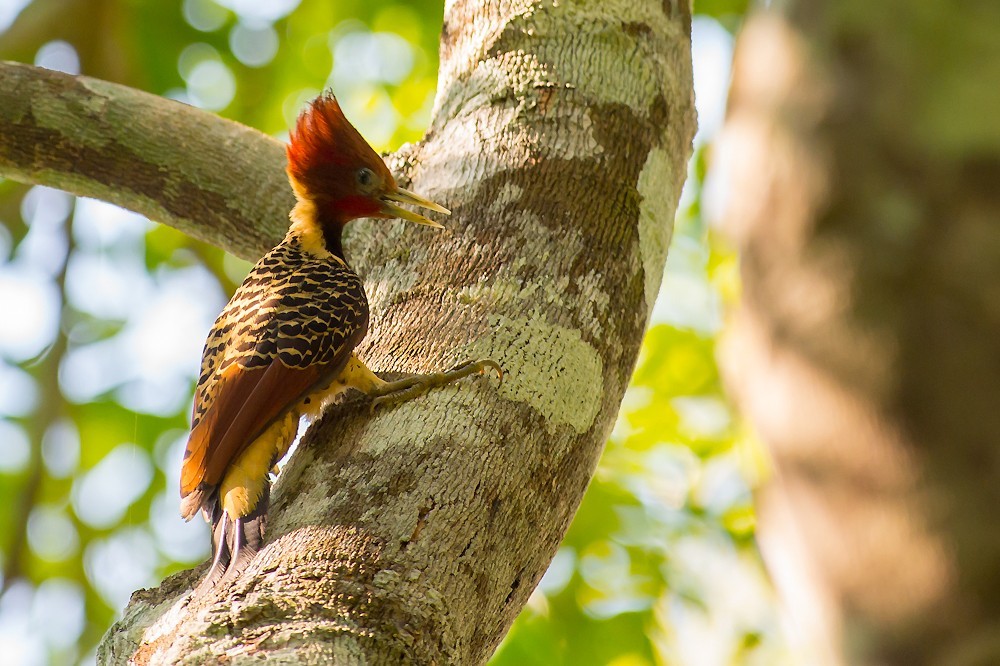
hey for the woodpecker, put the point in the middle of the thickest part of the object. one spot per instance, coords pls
(283, 347)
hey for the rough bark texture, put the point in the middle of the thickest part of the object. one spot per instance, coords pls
(865, 145)
(214, 179)
(560, 140)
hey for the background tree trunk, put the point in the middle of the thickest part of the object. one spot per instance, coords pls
(560, 141)
(865, 149)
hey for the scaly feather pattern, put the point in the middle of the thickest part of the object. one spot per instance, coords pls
(290, 326)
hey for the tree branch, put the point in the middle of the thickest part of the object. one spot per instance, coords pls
(214, 179)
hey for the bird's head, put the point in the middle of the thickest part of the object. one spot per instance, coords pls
(339, 176)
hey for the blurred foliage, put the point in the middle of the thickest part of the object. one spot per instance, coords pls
(99, 349)
(729, 13)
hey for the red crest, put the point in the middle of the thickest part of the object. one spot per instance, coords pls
(324, 145)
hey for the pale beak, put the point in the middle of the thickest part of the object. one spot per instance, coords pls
(400, 195)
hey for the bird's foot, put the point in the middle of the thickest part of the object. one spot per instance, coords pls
(399, 391)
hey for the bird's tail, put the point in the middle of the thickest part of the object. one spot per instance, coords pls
(234, 542)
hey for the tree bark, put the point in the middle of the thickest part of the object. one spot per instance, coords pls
(865, 159)
(560, 140)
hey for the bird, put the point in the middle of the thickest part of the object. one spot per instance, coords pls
(283, 347)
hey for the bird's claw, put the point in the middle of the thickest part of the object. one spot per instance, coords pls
(483, 365)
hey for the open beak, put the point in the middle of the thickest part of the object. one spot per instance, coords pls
(390, 209)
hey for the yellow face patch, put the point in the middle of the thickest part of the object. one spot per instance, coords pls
(305, 227)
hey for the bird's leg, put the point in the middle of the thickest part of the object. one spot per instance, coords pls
(358, 375)
(401, 390)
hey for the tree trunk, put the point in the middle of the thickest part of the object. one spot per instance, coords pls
(865, 198)
(560, 140)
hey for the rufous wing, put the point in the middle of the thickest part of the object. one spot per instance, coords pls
(291, 325)
(246, 402)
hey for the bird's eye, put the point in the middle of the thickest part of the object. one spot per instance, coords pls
(366, 179)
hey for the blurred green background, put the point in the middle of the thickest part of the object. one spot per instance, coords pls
(100, 342)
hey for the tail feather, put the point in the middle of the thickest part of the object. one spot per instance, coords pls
(221, 549)
(248, 535)
(235, 543)
(194, 502)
